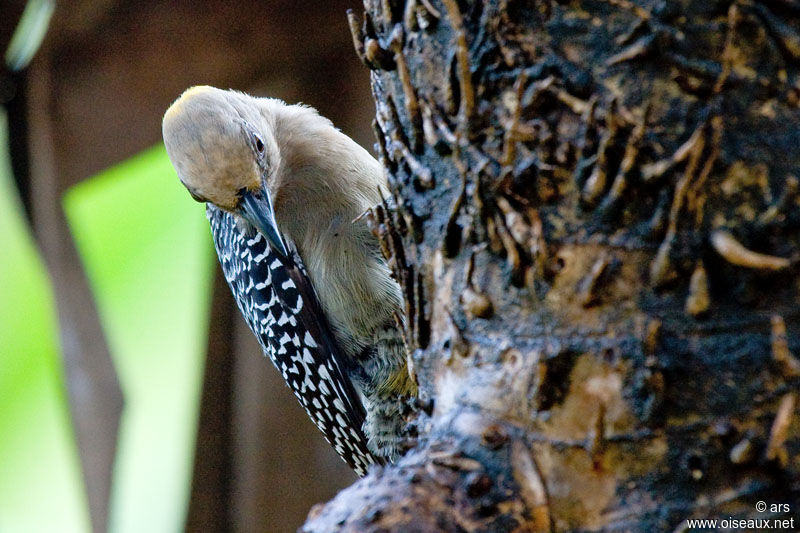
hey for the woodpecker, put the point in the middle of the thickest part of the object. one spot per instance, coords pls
(284, 190)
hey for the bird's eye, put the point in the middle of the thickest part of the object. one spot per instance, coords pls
(258, 143)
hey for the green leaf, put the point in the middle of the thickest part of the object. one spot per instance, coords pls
(41, 488)
(147, 251)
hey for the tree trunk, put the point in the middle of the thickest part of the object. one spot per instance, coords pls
(598, 234)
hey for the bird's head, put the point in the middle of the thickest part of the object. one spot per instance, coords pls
(224, 152)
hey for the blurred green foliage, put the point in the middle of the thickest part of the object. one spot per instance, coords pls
(41, 488)
(147, 251)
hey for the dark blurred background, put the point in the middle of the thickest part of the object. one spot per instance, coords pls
(92, 96)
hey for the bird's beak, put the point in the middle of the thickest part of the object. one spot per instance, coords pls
(257, 209)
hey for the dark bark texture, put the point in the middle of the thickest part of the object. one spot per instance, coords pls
(597, 229)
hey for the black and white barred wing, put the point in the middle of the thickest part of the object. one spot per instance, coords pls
(282, 310)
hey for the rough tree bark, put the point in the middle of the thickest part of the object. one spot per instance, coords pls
(598, 234)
